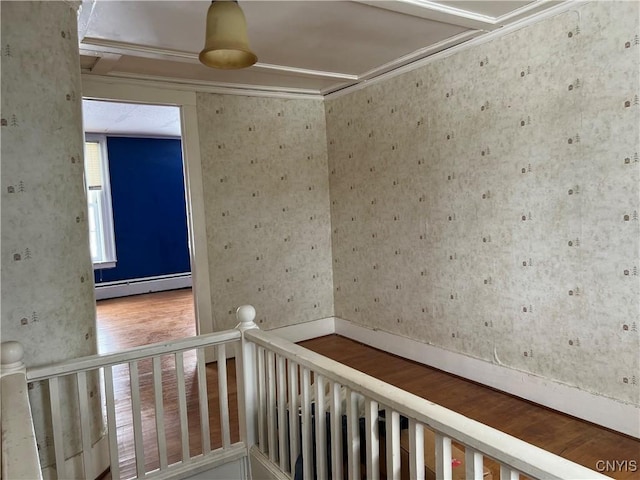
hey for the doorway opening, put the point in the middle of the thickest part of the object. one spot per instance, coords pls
(138, 223)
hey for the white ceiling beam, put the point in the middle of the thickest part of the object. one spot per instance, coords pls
(437, 12)
(113, 47)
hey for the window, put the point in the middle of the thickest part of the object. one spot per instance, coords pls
(99, 213)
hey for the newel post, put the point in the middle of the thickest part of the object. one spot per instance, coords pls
(246, 368)
(11, 358)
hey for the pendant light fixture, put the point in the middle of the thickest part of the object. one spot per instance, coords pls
(226, 44)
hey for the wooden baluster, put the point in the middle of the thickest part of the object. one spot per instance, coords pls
(336, 430)
(507, 473)
(203, 399)
(159, 406)
(182, 406)
(85, 424)
(416, 450)
(473, 464)
(223, 395)
(443, 457)
(271, 408)
(283, 447)
(372, 442)
(392, 426)
(353, 435)
(294, 426)
(112, 428)
(136, 411)
(307, 451)
(321, 430)
(56, 424)
(262, 400)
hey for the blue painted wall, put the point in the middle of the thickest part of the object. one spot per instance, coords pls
(149, 211)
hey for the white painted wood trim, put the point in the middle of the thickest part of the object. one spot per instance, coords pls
(189, 85)
(111, 421)
(597, 409)
(196, 219)
(416, 55)
(307, 330)
(142, 285)
(262, 468)
(116, 48)
(91, 362)
(437, 12)
(204, 467)
(101, 88)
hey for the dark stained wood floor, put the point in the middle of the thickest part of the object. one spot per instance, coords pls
(143, 319)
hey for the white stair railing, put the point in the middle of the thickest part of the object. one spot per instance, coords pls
(283, 392)
(157, 371)
(294, 382)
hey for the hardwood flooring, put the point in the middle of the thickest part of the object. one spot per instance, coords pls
(566, 436)
(132, 321)
(143, 319)
(149, 318)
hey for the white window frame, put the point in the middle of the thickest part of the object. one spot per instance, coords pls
(101, 199)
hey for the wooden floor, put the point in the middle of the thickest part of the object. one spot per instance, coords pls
(143, 319)
(132, 321)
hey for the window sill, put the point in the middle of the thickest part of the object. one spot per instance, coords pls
(103, 265)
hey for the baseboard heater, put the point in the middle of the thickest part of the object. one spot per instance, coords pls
(136, 286)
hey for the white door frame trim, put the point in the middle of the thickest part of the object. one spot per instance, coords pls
(114, 90)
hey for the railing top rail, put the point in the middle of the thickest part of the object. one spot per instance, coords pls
(522, 456)
(136, 353)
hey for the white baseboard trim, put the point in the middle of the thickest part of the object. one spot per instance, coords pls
(607, 412)
(306, 330)
(136, 286)
(73, 465)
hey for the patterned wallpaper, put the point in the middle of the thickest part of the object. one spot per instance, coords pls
(264, 167)
(47, 276)
(487, 203)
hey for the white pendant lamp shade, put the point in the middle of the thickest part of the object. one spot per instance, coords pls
(226, 44)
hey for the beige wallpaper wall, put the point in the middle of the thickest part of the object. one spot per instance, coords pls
(47, 276)
(264, 167)
(487, 203)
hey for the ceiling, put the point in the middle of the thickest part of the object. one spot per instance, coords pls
(303, 47)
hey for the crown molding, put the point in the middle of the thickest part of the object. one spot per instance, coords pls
(437, 12)
(200, 86)
(420, 54)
